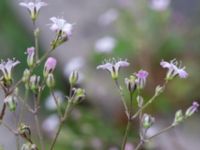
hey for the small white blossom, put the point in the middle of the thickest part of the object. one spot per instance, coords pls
(50, 102)
(50, 124)
(60, 25)
(159, 5)
(33, 7)
(108, 17)
(113, 67)
(105, 45)
(174, 68)
(7, 66)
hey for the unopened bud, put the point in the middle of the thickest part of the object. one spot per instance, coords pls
(26, 75)
(159, 89)
(50, 81)
(49, 66)
(147, 121)
(73, 78)
(29, 146)
(34, 83)
(11, 102)
(192, 109)
(25, 132)
(78, 95)
(178, 117)
(130, 83)
(141, 79)
(30, 56)
(140, 101)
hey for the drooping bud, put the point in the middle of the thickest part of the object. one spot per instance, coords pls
(147, 121)
(73, 78)
(30, 56)
(140, 101)
(130, 83)
(34, 83)
(50, 81)
(11, 102)
(141, 79)
(25, 132)
(192, 109)
(49, 66)
(178, 117)
(78, 95)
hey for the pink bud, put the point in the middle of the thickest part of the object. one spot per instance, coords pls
(49, 66)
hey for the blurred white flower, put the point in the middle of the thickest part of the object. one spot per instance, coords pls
(108, 17)
(129, 146)
(105, 45)
(50, 103)
(96, 143)
(60, 25)
(50, 124)
(33, 7)
(159, 5)
(75, 64)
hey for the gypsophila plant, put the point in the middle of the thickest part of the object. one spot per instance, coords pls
(135, 83)
(35, 84)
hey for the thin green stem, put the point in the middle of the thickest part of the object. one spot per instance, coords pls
(160, 132)
(122, 97)
(57, 103)
(126, 135)
(139, 145)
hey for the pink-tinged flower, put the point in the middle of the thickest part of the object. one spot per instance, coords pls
(33, 7)
(113, 67)
(141, 78)
(192, 109)
(49, 66)
(174, 68)
(159, 5)
(60, 26)
(6, 68)
(30, 56)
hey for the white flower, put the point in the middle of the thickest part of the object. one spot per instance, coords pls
(174, 69)
(50, 124)
(159, 5)
(33, 7)
(60, 25)
(108, 17)
(50, 102)
(105, 44)
(113, 67)
(7, 66)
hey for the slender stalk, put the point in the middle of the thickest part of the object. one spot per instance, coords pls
(3, 111)
(126, 135)
(139, 145)
(36, 106)
(160, 132)
(36, 43)
(122, 97)
(57, 103)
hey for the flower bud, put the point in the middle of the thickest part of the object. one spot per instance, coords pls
(11, 102)
(141, 78)
(78, 95)
(50, 81)
(49, 66)
(30, 56)
(29, 146)
(159, 89)
(26, 75)
(147, 121)
(178, 117)
(192, 109)
(73, 78)
(34, 83)
(140, 101)
(130, 83)
(25, 132)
